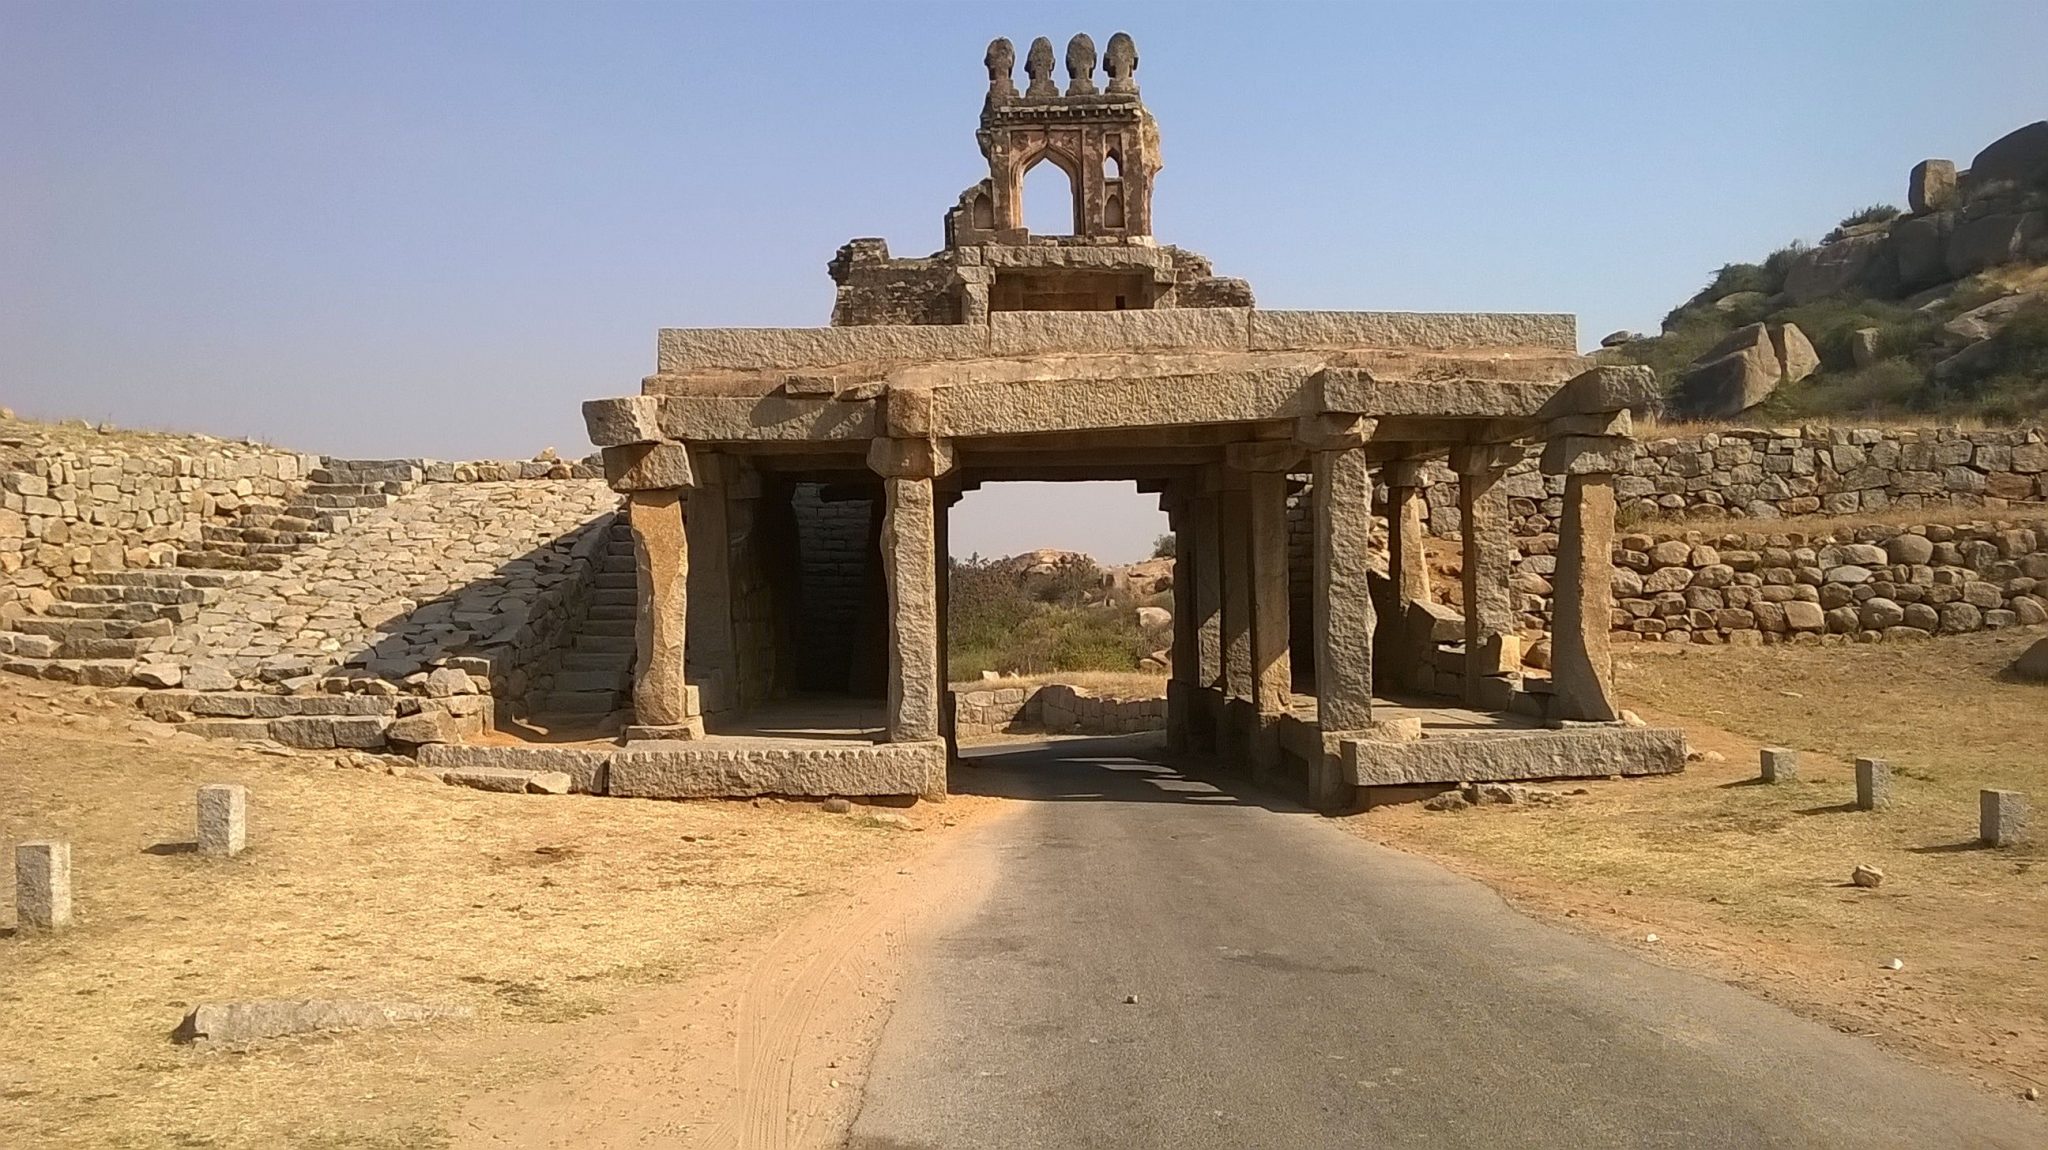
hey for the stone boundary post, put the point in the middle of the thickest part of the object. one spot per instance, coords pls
(223, 819)
(42, 884)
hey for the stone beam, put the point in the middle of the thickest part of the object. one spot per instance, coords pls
(648, 467)
(1356, 390)
(1054, 405)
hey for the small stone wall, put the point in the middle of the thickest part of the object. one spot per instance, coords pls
(837, 563)
(65, 511)
(1862, 584)
(1054, 708)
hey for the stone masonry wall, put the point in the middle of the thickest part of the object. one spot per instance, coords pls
(471, 570)
(1862, 584)
(1056, 708)
(835, 567)
(68, 509)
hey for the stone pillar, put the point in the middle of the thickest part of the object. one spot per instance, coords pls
(664, 705)
(1240, 711)
(1181, 707)
(42, 884)
(223, 819)
(1407, 562)
(1206, 529)
(1493, 647)
(1272, 670)
(1344, 619)
(712, 662)
(942, 576)
(1581, 664)
(910, 564)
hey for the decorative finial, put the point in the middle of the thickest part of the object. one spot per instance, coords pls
(1121, 62)
(1081, 66)
(1038, 66)
(1000, 60)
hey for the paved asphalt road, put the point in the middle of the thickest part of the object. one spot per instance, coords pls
(1298, 987)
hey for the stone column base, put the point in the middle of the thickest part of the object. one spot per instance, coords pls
(640, 732)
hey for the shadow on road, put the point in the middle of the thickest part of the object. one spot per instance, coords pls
(1114, 769)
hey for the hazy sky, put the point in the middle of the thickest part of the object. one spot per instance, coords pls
(433, 229)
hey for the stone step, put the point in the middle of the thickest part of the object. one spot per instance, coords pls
(218, 547)
(90, 672)
(610, 644)
(613, 611)
(366, 471)
(261, 535)
(616, 549)
(579, 702)
(103, 593)
(215, 561)
(349, 501)
(607, 627)
(618, 662)
(145, 577)
(352, 488)
(175, 612)
(608, 580)
(90, 648)
(72, 629)
(614, 679)
(627, 597)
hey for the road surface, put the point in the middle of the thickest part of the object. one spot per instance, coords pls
(1165, 963)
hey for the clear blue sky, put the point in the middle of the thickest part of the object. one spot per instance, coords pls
(432, 229)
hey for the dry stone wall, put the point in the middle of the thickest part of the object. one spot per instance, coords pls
(483, 571)
(69, 509)
(1055, 708)
(1862, 584)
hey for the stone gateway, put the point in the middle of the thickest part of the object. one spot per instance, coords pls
(789, 489)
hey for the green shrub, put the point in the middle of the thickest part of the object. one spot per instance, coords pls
(1779, 263)
(1874, 214)
(1163, 546)
(1001, 618)
(1887, 389)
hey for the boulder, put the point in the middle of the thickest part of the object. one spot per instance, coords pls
(1931, 186)
(1739, 301)
(1921, 249)
(1796, 357)
(1150, 617)
(1833, 268)
(2032, 664)
(1985, 320)
(2020, 155)
(1989, 241)
(1617, 338)
(1734, 375)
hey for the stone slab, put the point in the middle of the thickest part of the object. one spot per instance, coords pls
(1579, 753)
(1304, 330)
(585, 766)
(767, 418)
(743, 348)
(1043, 405)
(698, 770)
(1068, 332)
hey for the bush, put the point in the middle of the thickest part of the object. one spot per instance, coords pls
(1162, 547)
(1002, 618)
(1779, 263)
(1874, 214)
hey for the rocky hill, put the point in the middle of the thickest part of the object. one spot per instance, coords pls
(1939, 309)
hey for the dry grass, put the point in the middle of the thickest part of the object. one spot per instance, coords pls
(532, 910)
(1750, 881)
(1115, 684)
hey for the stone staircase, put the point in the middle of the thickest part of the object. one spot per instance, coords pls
(100, 628)
(595, 677)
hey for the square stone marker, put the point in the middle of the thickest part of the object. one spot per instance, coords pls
(2001, 817)
(223, 819)
(1780, 764)
(1873, 784)
(42, 884)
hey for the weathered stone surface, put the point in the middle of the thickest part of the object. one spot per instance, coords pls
(1778, 764)
(1178, 329)
(1796, 357)
(1341, 603)
(223, 819)
(909, 565)
(1303, 330)
(1873, 784)
(42, 884)
(2020, 155)
(1735, 374)
(585, 766)
(509, 781)
(662, 561)
(624, 420)
(1988, 241)
(2001, 818)
(1832, 268)
(231, 1023)
(691, 349)
(648, 467)
(1581, 666)
(2032, 663)
(1931, 185)
(675, 771)
(1575, 753)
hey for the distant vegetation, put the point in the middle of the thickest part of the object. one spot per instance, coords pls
(1014, 618)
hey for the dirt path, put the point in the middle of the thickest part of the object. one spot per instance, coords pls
(770, 1051)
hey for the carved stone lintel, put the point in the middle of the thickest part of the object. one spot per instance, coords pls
(648, 467)
(1482, 458)
(1587, 455)
(1264, 455)
(1332, 431)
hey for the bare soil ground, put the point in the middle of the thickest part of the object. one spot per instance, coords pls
(536, 911)
(1750, 882)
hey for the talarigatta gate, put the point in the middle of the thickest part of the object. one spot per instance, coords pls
(1105, 355)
